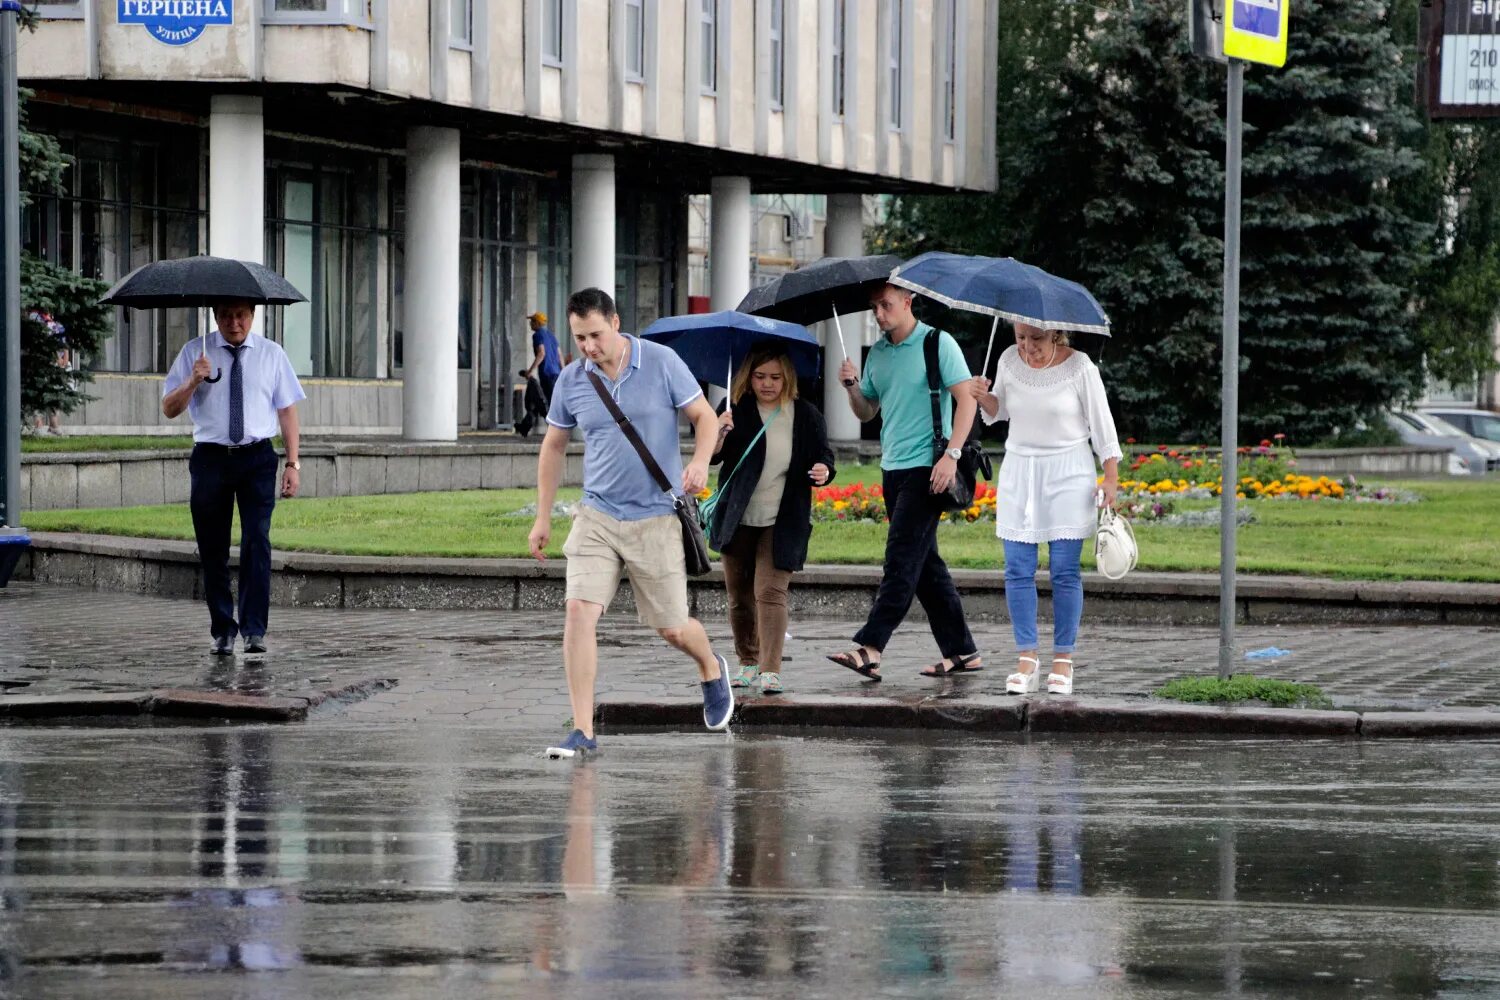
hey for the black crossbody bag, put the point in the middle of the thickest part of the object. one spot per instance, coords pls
(694, 546)
(973, 463)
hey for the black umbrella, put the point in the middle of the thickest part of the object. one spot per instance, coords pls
(828, 287)
(201, 281)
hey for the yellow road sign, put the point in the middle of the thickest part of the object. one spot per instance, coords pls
(1255, 30)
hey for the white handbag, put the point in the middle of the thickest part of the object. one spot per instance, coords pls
(1115, 551)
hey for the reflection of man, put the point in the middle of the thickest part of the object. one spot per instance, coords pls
(233, 462)
(546, 364)
(625, 522)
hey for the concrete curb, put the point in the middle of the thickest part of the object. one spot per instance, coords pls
(305, 579)
(1046, 714)
(186, 703)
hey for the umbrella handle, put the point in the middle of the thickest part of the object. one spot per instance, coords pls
(989, 347)
(839, 328)
(203, 352)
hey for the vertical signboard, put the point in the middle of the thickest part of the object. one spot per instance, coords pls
(1468, 57)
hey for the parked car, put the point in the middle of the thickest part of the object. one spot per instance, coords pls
(1433, 422)
(1475, 423)
(1465, 457)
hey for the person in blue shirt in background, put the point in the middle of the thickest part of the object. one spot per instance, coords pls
(547, 362)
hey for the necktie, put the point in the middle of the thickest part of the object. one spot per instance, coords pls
(236, 395)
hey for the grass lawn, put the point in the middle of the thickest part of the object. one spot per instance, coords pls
(1453, 535)
(104, 442)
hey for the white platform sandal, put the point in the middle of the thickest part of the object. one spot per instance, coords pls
(1061, 683)
(1027, 683)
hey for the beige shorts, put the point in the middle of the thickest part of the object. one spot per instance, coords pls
(599, 548)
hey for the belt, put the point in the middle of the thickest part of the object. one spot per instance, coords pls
(231, 448)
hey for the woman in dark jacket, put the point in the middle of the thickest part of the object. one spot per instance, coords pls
(764, 514)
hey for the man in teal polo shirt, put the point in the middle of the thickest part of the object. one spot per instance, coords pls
(895, 385)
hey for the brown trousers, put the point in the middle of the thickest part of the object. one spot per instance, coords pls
(757, 598)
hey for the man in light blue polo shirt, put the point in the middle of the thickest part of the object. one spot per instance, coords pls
(895, 386)
(235, 415)
(625, 522)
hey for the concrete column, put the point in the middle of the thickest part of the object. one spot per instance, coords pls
(729, 241)
(429, 396)
(729, 246)
(237, 178)
(844, 236)
(593, 223)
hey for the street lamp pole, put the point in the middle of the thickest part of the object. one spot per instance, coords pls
(1230, 413)
(10, 275)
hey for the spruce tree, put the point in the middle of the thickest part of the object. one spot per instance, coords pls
(1331, 251)
(1149, 245)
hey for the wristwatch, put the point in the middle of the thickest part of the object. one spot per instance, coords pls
(954, 453)
(294, 465)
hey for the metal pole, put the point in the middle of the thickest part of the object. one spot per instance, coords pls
(10, 273)
(1229, 433)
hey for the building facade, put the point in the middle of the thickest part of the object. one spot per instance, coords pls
(430, 172)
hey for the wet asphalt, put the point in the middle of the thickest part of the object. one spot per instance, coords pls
(349, 860)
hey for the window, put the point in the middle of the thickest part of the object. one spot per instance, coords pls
(635, 40)
(708, 46)
(838, 58)
(131, 197)
(778, 52)
(461, 22)
(318, 11)
(893, 61)
(323, 233)
(552, 32)
(950, 72)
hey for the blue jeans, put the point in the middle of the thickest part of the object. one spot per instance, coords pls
(1065, 564)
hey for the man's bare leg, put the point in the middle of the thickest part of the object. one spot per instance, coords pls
(581, 660)
(692, 640)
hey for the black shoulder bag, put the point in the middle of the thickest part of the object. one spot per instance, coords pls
(973, 463)
(694, 547)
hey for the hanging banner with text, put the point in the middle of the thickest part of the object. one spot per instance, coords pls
(176, 22)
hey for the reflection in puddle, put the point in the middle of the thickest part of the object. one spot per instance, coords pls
(866, 865)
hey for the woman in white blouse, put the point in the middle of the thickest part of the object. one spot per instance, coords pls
(1059, 422)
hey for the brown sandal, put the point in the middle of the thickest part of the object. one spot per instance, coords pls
(858, 661)
(960, 666)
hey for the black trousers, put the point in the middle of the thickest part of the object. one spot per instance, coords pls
(913, 568)
(223, 477)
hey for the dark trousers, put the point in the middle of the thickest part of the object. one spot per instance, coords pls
(913, 568)
(223, 477)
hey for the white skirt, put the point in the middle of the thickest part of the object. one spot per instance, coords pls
(1043, 498)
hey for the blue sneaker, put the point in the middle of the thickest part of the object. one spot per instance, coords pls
(575, 745)
(718, 699)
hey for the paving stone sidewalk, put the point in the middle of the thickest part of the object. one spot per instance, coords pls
(489, 667)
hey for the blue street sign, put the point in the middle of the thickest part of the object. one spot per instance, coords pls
(176, 22)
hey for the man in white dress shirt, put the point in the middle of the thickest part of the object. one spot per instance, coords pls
(233, 462)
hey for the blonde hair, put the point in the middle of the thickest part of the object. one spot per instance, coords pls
(758, 356)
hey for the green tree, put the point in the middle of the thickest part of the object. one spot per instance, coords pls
(1114, 176)
(1457, 298)
(1332, 249)
(71, 300)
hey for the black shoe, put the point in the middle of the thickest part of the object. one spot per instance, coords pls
(255, 644)
(223, 645)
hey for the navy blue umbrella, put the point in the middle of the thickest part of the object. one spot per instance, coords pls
(715, 344)
(1004, 288)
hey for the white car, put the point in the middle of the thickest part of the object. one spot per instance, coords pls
(1476, 423)
(1469, 457)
